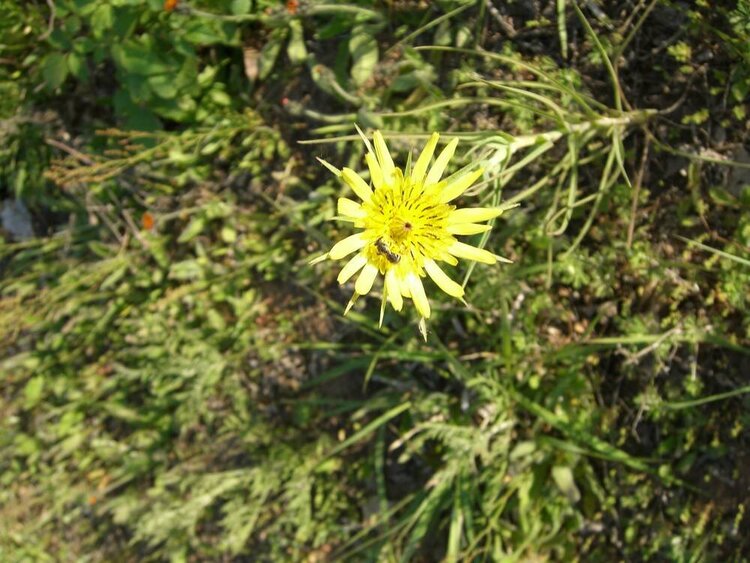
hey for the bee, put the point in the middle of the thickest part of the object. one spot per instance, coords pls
(383, 249)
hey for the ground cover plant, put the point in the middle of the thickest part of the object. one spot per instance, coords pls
(178, 382)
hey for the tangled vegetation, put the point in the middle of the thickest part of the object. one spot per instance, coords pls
(178, 383)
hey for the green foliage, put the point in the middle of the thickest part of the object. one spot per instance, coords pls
(177, 383)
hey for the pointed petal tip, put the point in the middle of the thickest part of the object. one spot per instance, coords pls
(363, 137)
(462, 250)
(318, 259)
(336, 172)
(383, 157)
(423, 328)
(420, 168)
(351, 303)
(443, 281)
(438, 167)
(466, 229)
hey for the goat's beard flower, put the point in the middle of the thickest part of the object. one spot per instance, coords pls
(408, 226)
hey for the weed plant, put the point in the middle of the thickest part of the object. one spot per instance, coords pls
(177, 383)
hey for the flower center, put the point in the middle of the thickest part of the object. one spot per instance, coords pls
(399, 229)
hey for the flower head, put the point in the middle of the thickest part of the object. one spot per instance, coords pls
(408, 226)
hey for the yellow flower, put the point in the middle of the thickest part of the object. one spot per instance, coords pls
(408, 226)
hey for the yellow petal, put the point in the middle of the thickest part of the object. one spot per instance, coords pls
(347, 246)
(472, 253)
(352, 267)
(405, 291)
(433, 176)
(364, 282)
(355, 182)
(442, 280)
(445, 257)
(418, 295)
(467, 229)
(376, 174)
(474, 214)
(384, 157)
(350, 208)
(457, 187)
(393, 289)
(420, 168)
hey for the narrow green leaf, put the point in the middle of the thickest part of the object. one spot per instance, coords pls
(369, 428)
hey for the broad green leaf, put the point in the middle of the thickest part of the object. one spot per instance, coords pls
(194, 228)
(186, 270)
(209, 32)
(563, 478)
(240, 7)
(270, 53)
(101, 20)
(77, 66)
(163, 86)
(54, 70)
(219, 97)
(296, 49)
(33, 391)
(140, 118)
(364, 52)
(137, 59)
